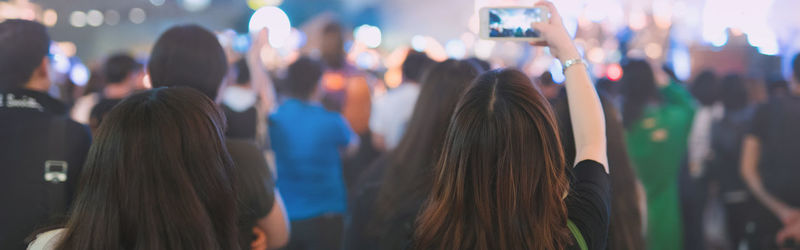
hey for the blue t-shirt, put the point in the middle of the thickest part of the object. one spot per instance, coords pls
(307, 140)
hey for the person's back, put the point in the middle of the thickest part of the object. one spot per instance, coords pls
(776, 124)
(42, 151)
(158, 176)
(307, 140)
(239, 104)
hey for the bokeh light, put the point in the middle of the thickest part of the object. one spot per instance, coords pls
(157, 2)
(112, 17)
(94, 18)
(79, 74)
(77, 19)
(49, 18)
(368, 35)
(614, 72)
(195, 5)
(137, 15)
(455, 49)
(418, 43)
(257, 4)
(275, 20)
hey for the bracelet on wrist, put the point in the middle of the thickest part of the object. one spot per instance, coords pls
(572, 62)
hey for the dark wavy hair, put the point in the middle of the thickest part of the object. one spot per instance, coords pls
(409, 170)
(158, 176)
(500, 178)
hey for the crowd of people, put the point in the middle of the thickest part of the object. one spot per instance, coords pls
(199, 148)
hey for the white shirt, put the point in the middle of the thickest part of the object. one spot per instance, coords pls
(391, 113)
(47, 240)
(700, 135)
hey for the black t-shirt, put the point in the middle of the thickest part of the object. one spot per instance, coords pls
(35, 133)
(241, 125)
(589, 203)
(777, 126)
(254, 186)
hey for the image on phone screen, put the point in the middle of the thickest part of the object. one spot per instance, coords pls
(514, 22)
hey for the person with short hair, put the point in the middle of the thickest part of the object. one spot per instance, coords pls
(308, 140)
(391, 112)
(191, 56)
(42, 151)
(122, 74)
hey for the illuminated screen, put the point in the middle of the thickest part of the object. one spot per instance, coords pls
(505, 22)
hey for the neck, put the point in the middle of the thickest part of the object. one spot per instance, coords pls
(37, 85)
(117, 90)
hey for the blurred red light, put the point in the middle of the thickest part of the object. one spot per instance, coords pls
(614, 72)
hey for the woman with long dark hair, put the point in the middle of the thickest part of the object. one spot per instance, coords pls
(500, 181)
(158, 176)
(389, 195)
(657, 117)
(625, 229)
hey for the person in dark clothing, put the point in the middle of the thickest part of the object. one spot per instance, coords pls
(239, 103)
(388, 196)
(191, 56)
(626, 225)
(122, 74)
(769, 154)
(726, 144)
(42, 151)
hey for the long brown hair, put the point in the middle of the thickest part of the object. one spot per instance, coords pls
(625, 227)
(409, 172)
(158, 176)
(500, 179)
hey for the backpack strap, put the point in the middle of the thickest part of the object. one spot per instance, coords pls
(577, 234)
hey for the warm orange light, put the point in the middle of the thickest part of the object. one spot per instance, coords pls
(333, 81)
(393, 77)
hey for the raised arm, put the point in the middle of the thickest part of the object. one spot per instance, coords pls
(586, 111)
(262, 84)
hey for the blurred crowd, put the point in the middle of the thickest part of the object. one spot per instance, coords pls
(201, 147)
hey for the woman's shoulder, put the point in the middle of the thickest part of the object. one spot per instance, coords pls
(47, 240)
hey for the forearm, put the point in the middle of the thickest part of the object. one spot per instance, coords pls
(276, 225)
(262, 84)
(586, 113)
(751, 152)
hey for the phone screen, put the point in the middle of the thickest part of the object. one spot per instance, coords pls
(514, 22)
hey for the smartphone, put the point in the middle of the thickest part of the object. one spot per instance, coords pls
(512, 23)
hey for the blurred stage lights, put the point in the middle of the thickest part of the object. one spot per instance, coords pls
(368, 35)
(195, 5)
(137, 15)
(484, 48)
(455, 49)
(77, 19)
(614, 72)
(257, 4)
(418, 43)
(94, 18)
(112, 17)
(60, 63)
(79, 74)
(157, 2)
(49, 18)
(277, 23)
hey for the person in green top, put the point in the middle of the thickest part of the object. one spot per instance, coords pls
(657, 119)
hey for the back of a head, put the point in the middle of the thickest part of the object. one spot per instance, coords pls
(120, 66)
(188, 56)
(23, 45)
(158, 176)
(303, 78)
(411, 163)
(705, 88)
(638, 89)
(500, 177)
(415, 65)
(734, 92)
(332, 47)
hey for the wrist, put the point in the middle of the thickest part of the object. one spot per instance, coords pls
(570, 53)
